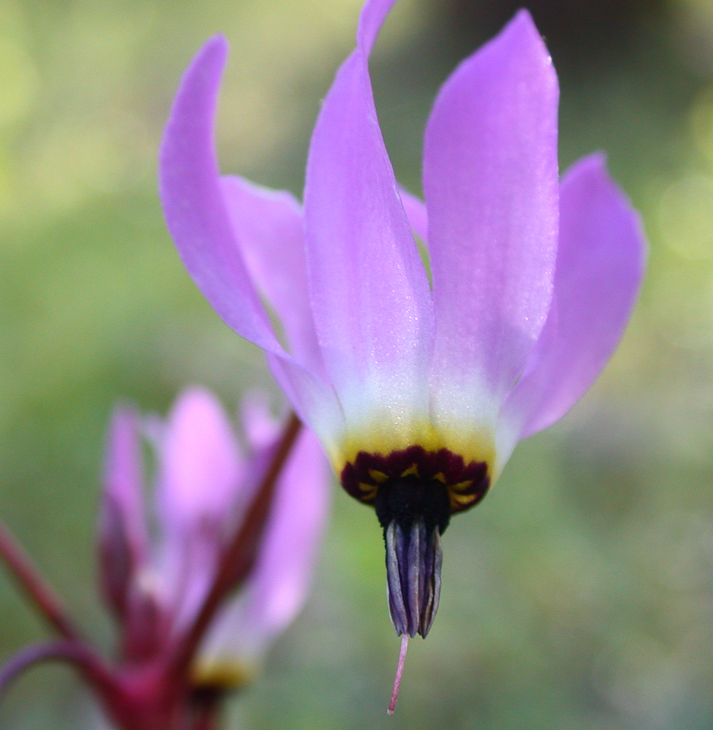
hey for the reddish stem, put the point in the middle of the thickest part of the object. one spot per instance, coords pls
(74, 652)
(239, 557)
(35, 585)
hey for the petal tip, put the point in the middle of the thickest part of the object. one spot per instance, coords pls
(194, 102)
(523, 38)
(195, 403)
(216, 46)
(522, 23)
(594, 165)
(524, 18)
(209, 59)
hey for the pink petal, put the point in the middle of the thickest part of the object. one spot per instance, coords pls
(490, 180)
(198, 497)
(268, 227)
(193, 202)
(278, 586)
(370, 293)
(259, 425)
(200, 465)
(600, 264)
(123, 537)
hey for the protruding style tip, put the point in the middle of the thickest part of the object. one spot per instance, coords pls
(399, 674)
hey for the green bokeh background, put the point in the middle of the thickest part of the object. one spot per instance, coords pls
(580, 593)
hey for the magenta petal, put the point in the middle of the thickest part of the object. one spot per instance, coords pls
(491, 187)
(268, 228)
(123, 536)
(278, 585)
(193, 203)
(370, 293)
(600, 264)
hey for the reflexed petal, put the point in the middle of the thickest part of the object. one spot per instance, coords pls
(600, 263)
(199, 218)
(370, 293)
(278, 586)
(123, 537)
(490, 180)
(268, 228)
(193, 203)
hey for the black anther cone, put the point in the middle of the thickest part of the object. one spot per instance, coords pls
(414, 514)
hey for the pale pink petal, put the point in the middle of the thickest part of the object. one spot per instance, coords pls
(198, 495)
(278, 586)
(600, 264)
(200, 465)
(194, 206)
(259, 425)
(370, 293)
(268, 228)
(491, 187)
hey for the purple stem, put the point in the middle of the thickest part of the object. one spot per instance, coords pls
(34, 584)
(67, 650)
(239, 558)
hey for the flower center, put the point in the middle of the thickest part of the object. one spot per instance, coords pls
(415, 492)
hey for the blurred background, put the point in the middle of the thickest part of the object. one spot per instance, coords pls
(579, 594)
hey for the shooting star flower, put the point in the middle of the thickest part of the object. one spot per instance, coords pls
(418, 392)
(224, 519)
(204, 487)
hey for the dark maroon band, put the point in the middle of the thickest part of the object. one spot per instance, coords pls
(467, 483)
